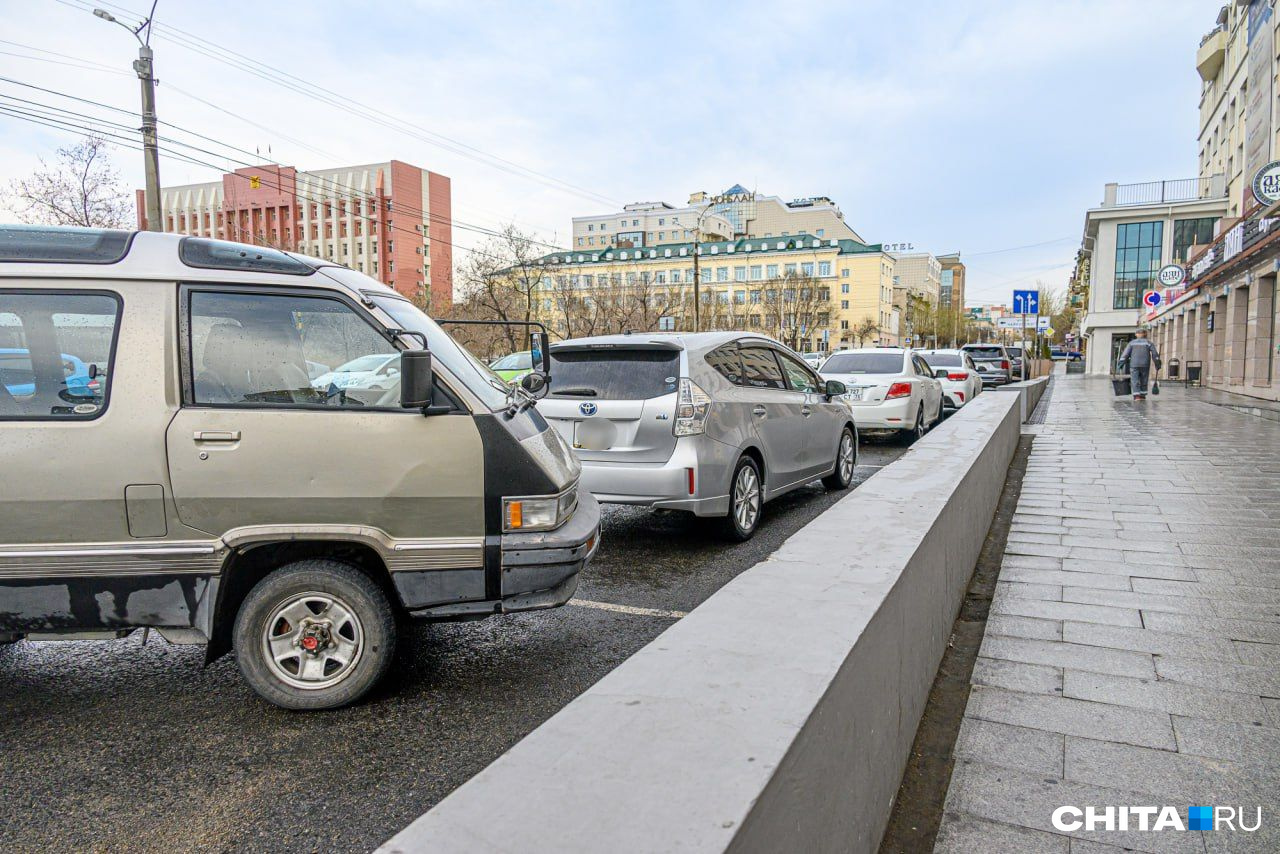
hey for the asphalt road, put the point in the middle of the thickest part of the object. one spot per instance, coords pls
(115, 746)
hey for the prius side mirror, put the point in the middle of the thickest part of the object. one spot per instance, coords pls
(834, 388)
(417, 383)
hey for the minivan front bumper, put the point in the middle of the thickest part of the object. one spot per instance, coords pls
(538, 569)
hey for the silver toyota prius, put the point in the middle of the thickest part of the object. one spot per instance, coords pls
(714, 423)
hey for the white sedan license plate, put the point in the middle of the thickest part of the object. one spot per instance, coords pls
(855, 394)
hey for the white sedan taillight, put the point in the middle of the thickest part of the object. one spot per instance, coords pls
(692, 407)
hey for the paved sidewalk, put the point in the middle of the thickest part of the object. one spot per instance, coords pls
(1132, 656)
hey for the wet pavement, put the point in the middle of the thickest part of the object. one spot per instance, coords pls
(115, 746)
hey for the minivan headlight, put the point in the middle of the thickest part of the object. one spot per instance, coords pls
(539, 512)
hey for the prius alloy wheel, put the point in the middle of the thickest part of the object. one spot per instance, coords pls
(746, 497)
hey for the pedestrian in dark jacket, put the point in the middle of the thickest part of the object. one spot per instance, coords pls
(1138, 359)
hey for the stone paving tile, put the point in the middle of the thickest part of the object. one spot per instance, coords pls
(1031, 562)
(1272, 706)
(1111, 567)
(1069, 611)
(1097, 659)
(1017, 676)
(1019, 747)
(960, 833)
(1065, 578)
(1172, 697)
(1203, 589)
(1251, 630)
(1143, 601)
(1181, 777)
(1259, 654)
(1072, 717)
(1024, 627)
(1005, 795)
(1148, 640)
(1024, 590)
(1084, 846)
(1241, 678)
(1268, 612)
(1227, 740)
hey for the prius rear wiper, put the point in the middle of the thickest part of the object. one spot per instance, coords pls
(577, 392)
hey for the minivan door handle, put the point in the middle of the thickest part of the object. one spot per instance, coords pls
(759, 411)
(217, 436)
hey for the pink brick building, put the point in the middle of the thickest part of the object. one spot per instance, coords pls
(392, 221)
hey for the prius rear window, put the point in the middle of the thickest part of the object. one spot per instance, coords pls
(614, 374)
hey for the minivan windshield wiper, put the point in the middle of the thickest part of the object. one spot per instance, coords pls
(577, 392)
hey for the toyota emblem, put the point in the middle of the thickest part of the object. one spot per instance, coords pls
(587, 408)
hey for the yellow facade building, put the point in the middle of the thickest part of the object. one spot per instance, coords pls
(813, 293)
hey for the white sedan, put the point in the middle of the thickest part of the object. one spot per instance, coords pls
(378, 370)
(959, 376)
(889, 389)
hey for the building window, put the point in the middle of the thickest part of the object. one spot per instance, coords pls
(844, 289)
(739, 274)
(789, 270)
(844, 324)
(844, 303)
(1190, 232)
(722, 274)
(661, 221)
(1137, 261)
(822, 232)
(590, 227)
(824, 268)
(756, 272)
(771, 272)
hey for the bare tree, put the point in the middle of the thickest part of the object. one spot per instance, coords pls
(794, 308)
(79, 188)
(501, 280)
(864, 329)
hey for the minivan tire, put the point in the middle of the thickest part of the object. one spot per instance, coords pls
(740, 527)
(842, 476)
(360, 618)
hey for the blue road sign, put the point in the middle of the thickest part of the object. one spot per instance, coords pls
(1026, 302)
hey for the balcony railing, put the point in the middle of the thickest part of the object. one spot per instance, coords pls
(1164, 192)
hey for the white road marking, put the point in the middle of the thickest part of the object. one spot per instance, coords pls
(868, 466)
(629, 609)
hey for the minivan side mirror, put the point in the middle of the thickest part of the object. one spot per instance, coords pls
(540, 350)
(533, 382)
(835, 388)
(416, 379)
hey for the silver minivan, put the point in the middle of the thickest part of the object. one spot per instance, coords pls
(178, 455)
(714, 423)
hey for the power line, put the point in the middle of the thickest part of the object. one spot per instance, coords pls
(1017, 248)
(127, 142)
(279, 77)
(396, 207)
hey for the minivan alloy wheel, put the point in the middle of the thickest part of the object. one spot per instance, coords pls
(313, 640)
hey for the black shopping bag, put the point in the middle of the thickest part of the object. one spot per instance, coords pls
(1122, 386)
(1155, 386)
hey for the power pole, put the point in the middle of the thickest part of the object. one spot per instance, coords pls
(145, 69)
(697, 277)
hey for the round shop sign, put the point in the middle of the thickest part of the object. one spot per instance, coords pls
(1172, 275)
(1152, 298)
(1266, 184)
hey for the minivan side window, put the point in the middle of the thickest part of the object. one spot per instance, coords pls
(257, 349)
(798, 375)
(727, 363)
(56, 354)
(760, 368)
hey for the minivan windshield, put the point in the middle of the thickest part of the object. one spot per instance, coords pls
(863, 363)
(480, 381)
(614, 374)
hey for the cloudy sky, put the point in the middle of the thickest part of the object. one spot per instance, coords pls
(983, 127)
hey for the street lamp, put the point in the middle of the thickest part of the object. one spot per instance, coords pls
(150, 148)
(697, 276)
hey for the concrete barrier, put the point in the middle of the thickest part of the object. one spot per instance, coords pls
(1030, 392)
(779, 714)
